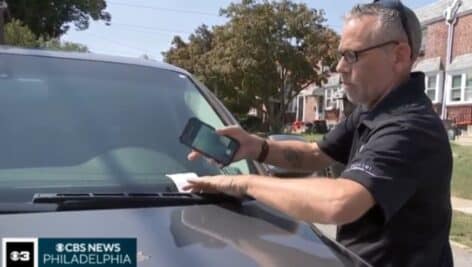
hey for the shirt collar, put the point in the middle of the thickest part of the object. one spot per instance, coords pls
(395, 101)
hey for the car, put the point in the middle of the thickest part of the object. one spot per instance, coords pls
(89, 146)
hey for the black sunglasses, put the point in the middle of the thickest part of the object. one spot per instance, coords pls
(398, 6)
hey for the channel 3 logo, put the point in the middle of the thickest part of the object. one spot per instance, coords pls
(20, 252)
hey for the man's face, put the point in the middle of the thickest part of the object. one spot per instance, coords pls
(366, 80)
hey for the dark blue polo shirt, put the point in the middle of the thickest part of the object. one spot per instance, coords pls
(399, 151)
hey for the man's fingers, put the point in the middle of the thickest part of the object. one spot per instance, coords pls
(193, 155)
(200, 185)
(230, 130)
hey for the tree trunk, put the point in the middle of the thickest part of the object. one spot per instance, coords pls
(2, 23)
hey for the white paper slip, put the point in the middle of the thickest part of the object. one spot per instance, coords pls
(180, 179)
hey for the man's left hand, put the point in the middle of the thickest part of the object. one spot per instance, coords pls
(232, 185)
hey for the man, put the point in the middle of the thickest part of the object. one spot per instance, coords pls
(392, 202)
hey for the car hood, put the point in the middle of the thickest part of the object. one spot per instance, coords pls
(203, 235)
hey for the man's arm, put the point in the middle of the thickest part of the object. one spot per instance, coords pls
(322, 200)
(331, 201)
(286, 154)
(297, 155)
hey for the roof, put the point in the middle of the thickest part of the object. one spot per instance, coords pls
(428, 65)
(89, 57)
(461, 62)
(434, 11)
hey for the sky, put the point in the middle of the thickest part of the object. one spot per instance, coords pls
(141, 27)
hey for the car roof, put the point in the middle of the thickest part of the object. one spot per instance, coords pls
(90, 57)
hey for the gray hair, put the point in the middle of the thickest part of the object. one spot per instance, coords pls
(390, 25)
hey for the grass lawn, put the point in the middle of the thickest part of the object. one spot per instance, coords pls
(462, 171)
(461, 229)
(313, 137)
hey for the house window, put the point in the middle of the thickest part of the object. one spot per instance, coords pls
(431, 87)
(456, 88)
(468, 87)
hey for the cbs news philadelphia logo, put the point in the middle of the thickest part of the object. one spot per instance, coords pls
(73, 252)
(20, 252)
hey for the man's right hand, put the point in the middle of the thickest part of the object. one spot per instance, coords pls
(250, 145)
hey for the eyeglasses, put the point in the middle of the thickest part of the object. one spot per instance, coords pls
(398, 6)
(351, 56)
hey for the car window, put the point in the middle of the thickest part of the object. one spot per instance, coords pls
(84, 123)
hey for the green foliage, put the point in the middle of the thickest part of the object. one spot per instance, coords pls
(56, 44)
(263, 56)
(18, 34)
(462, 173)
(52, 18)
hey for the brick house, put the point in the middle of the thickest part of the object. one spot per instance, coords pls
(446, 59)
(319, 103)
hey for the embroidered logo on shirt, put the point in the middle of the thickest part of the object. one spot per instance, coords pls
(367, 169)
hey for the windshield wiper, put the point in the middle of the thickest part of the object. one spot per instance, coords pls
(128, 200)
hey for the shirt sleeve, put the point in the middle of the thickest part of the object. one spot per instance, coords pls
(387, 165)
(337, 142)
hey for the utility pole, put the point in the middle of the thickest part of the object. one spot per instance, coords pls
(3, 8)
(450, 15)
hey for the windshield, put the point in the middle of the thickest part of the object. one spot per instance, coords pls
(80, 125)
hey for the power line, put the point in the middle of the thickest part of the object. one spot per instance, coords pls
(152, 28)
(338, 26)
(164, 9)
(114, 42)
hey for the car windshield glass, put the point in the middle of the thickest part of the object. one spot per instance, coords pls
(77, 123)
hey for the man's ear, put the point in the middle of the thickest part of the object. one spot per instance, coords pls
(402, 56)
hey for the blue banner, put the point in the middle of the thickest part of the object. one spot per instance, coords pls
(81, 252)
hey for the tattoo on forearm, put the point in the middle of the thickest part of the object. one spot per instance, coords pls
(293, 157)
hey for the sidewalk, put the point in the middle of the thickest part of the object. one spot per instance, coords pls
(462, 205)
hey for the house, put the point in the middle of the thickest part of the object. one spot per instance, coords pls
(446, 59)
(320, 103)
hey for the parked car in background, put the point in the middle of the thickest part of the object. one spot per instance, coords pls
(88, 144)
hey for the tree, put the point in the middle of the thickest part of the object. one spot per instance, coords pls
(56, 44)
(51, 18)
(197, 57)
(263, 56)
(17, 34)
